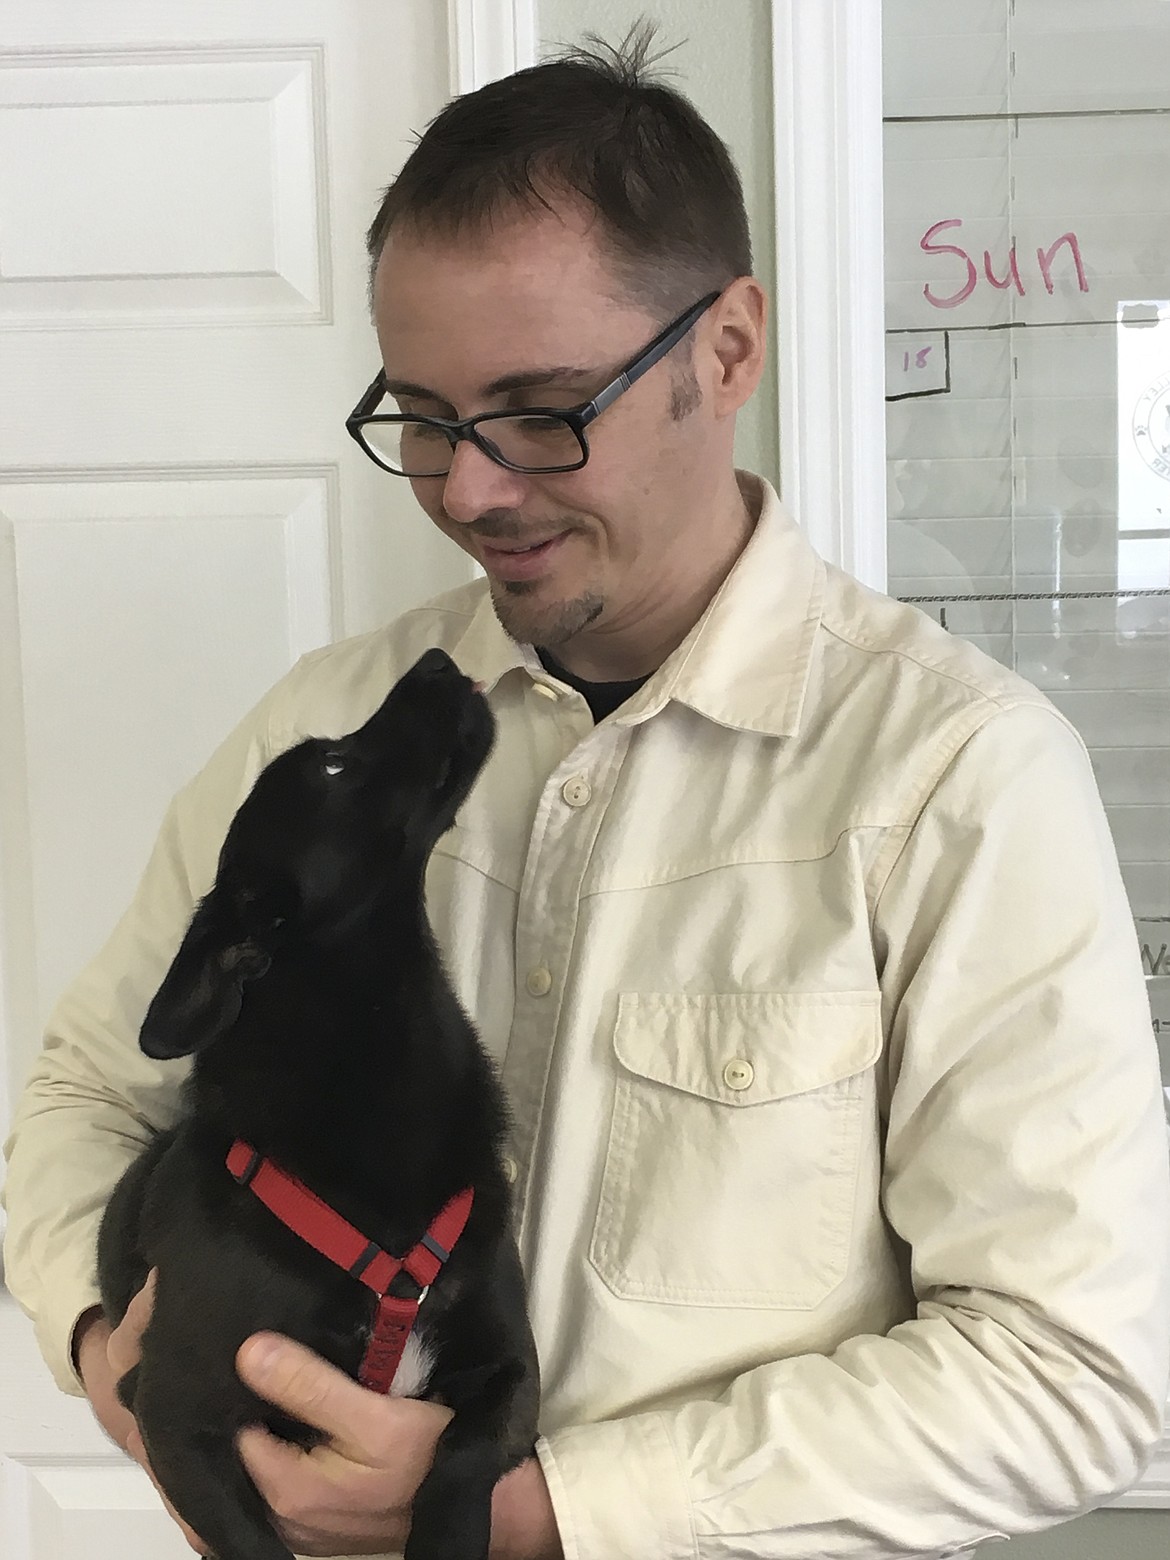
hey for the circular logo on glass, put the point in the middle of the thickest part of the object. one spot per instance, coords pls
(1151, 426)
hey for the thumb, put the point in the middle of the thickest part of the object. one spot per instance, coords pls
(311, 1389)
(124, 1345)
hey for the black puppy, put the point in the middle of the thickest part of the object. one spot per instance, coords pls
(337, 1072)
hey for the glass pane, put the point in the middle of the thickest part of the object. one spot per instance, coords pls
(1028, 374)
(533, 441)
(420, 449)
(415, 448)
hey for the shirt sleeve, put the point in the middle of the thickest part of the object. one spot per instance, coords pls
(93, 1099)
(1026, 1179)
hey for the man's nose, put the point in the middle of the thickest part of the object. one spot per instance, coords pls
(476, 484)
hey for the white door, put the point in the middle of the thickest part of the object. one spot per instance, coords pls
(184, 190)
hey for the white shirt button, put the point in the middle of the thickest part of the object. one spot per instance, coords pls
(545, 691)
(510, 1168)
(738, 1074)
(539, 982)
(577, 791)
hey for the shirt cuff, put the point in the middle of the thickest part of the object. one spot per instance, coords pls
(56, 1323)
(618, 1488)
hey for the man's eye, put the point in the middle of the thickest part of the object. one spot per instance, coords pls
(542, 427)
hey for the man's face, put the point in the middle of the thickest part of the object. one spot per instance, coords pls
(530, 314)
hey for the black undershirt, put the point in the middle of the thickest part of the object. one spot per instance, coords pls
(601, 697)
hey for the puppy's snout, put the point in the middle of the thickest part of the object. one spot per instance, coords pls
(435, 663)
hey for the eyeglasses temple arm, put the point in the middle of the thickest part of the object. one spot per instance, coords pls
(610, 394)
(653, 354)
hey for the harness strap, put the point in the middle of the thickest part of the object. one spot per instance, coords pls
(303, 1212)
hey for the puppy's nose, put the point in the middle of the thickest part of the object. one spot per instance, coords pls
(434, 663)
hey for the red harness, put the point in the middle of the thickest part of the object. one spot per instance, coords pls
(327, 1232)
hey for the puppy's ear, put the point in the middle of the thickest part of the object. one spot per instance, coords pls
(201, 994)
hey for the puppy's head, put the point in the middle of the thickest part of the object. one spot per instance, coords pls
(330, 830)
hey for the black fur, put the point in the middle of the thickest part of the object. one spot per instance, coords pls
(325, 1033)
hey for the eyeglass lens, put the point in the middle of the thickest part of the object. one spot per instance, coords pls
(418, 449)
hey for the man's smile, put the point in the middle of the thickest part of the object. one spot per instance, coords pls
(509, 560)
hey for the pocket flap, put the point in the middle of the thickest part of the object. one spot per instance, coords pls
(748, 1047)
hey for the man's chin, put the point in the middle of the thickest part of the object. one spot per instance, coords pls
(546, 624)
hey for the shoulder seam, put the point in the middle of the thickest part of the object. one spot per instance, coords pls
(1005, 700)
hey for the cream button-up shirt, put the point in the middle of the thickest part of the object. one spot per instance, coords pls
(838, 1151)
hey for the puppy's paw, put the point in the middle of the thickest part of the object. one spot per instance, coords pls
(448, 1525)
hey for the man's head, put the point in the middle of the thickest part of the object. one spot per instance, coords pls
(594, 129)
(541, 234)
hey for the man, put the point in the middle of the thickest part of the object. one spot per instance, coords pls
(794, 924)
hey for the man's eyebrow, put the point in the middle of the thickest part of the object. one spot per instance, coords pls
(532, 378)
(526, 379)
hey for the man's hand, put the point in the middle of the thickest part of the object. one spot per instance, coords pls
(353, 1494)
(104, 1355)
(100, 1374)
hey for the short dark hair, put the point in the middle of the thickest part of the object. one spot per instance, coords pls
(591, 124)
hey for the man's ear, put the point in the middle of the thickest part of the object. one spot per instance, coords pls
(201, 994)
(738, 331)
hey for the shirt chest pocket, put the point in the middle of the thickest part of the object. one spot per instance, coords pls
(732, 1161)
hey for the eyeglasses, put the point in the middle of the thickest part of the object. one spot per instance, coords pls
(537, 439)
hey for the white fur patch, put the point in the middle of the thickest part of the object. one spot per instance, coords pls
(414, 1369)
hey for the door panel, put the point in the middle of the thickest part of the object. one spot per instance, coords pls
(184, 192)
(66, 1492)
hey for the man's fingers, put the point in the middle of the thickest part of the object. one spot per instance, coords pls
(273, 1464)
(309, 1388)
(139, 1309)
(124, 1347)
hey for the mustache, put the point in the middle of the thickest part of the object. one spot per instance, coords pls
(506, 525)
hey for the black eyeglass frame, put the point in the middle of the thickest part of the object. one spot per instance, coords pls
(576, 418)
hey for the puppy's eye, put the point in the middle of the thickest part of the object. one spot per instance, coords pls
(332, 764)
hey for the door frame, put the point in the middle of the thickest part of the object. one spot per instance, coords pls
(830, 298)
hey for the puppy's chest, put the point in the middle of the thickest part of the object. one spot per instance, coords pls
(415, 1368)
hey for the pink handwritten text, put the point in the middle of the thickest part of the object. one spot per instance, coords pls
(1011, 276)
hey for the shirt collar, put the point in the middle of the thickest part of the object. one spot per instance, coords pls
(486, 651)
(745, 664)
